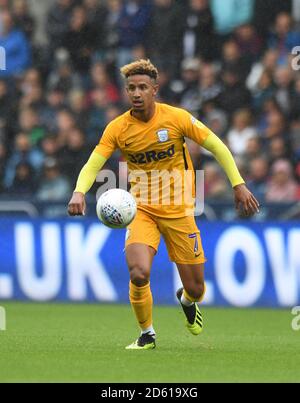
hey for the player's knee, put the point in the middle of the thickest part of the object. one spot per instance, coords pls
(139, 275)
(196, 291)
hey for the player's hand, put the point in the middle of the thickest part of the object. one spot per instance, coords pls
(245, 201)
(77, 204)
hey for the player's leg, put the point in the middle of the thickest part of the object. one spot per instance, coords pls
(141, 246)
(139, 260)
(192, 277)
(184, 246)
(192, 293)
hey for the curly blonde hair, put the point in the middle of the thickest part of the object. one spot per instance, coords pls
(141, 66)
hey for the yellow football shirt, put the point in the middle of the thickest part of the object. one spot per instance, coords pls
(160, 169)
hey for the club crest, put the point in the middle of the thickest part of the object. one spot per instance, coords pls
(163, 135)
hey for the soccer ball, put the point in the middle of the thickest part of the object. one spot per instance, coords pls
(116, 208)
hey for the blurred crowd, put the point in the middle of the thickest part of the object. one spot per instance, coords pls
(232, 63)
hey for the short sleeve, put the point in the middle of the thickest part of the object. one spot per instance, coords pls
(193, 128)
(108, 142)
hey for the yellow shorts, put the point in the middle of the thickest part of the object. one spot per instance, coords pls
(181, 236)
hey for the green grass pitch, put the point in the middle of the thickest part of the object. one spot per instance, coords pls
(85, 343)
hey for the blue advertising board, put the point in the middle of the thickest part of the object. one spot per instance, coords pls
(81, 260)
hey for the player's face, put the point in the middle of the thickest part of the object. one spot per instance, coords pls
(141, 91)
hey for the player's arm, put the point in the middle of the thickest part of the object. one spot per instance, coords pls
(243, 197)
(197, 131)
(89, 172)
(85, 181)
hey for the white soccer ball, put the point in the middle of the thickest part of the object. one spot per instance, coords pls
(116, 208)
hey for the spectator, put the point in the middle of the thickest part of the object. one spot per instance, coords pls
(232, 59)
(258, 176)
(284, 38)
(209, 88)
(249, 43)
(33, 99)
(264, 90)
(165, 34)
(29, 123)
(4, 4)
(22, 17)
(266, 11)
(80, 40)
(23, 184)
(32, 91)
(7, 112)
(166, 93)
(276, 125)
(17, 48)
(56, 100)
(100, 79)
(132, 24)
(189, 92)
(284, 88)
(216, 185)
(270, 106)
(23, 152)
(268, 63)
(199, 85)
(53, 185)
(50, 147)
(215, 118)
(78, 105)
(234, 95)
(65, 123)
(253, 148)
(295, 138)
(297, 172)
(295, 11)
(241, 132)
(3, 159)
(111, 113)
(96, 16)
(282, 187)
(277, 149)
(96, 119)
(57, 24)
(230, 14)
(114, 9)
(31, 78)
(295, 101)
(75, 154)
(63, 75)
(198, 35)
